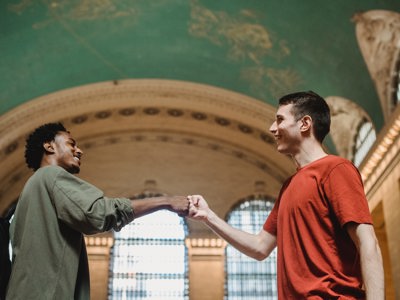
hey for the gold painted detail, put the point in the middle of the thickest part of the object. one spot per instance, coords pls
(244, 35)
(275, 81)
(83, 10)
(246, 38)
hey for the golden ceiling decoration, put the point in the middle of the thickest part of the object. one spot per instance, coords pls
(242, 33)
(276, 82)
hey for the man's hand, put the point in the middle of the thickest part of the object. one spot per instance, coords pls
(198, 208)
(179, 205)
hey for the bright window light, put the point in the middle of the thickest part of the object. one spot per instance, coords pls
(366, 137)
(149, 259)
(247, 278)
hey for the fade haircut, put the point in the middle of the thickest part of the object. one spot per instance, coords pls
(34, 149)
(313, 105)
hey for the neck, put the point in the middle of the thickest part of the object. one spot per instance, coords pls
(308, 153)
(48, 160)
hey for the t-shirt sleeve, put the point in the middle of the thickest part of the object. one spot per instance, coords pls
(271, 224)
(84, 207)
(345, 192)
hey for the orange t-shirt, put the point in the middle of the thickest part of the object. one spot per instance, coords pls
(316, 257)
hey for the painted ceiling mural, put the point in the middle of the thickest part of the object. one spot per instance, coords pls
(246, 39)
(262, 49)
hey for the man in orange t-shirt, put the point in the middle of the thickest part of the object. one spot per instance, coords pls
(321, 224)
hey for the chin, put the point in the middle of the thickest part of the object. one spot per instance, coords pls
(74, 169)
(281, 149)
(284, 151)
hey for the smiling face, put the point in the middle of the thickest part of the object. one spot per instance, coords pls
(67, 154)
(286, 130)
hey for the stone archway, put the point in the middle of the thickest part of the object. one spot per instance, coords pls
(187, 137)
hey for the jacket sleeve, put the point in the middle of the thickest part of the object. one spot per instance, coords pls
(84, 207)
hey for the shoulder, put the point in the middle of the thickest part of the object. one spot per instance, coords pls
(337, 160)
(49, 171)
(333, 161)
(340, 166)
(57, 179)
(48, 175)
(43, 178)
(45, 174)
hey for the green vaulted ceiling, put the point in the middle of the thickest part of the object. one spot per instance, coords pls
(259, 48)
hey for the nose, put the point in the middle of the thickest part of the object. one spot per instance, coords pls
(272, 128)
(79, 152)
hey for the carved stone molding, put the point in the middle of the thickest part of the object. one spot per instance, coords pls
(383, 158)
(346, 116)
(378, 36)
(199, 248)
(122, 95)
(205, 243)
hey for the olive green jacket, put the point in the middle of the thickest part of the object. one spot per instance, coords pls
(53, 212)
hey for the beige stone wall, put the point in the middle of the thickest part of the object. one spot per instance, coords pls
(389, 195)
(380, 230)
(381, 174)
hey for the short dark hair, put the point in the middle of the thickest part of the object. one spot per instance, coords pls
(312, 104)
(34, 143)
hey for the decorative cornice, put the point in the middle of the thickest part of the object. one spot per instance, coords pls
(205, 243)
(135, 97)
(123, 95)
(241, 152)
(135, 111)
(383, 155)
(99, 241)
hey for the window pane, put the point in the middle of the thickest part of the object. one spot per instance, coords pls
(149, 259)
(365, 139)
(247, 278)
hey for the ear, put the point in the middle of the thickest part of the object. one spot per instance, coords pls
(48, 147)
(306, 123)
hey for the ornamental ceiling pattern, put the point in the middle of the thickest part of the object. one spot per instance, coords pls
(260, 49)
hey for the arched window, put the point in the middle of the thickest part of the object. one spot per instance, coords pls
(247, 278)
(365, 138)
(149, 259)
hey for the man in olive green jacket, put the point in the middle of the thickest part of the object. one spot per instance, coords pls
(53, 212)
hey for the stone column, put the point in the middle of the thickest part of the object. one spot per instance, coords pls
(206, 268)
(98, 249)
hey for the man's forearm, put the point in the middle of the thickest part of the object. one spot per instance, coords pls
(252, 245)
(145, 206)
(363, 236)
(373, 273)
